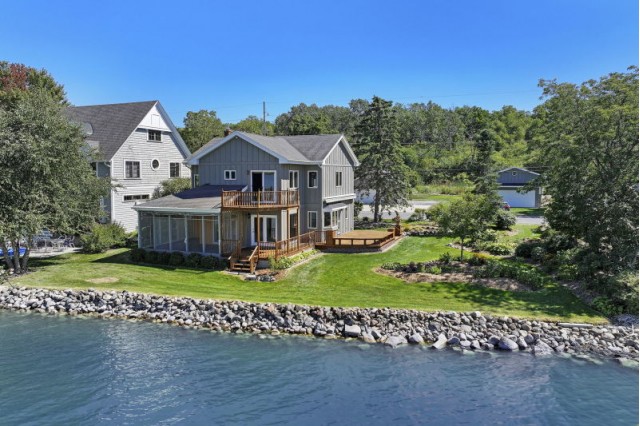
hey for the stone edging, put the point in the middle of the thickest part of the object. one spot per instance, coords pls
(391, 327)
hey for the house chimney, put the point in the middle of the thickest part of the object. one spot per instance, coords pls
(227, 131)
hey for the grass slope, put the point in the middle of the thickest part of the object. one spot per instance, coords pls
(330, 280)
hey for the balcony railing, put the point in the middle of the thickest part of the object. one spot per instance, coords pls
(260, 199)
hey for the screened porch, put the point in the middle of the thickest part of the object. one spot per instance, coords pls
(179, 232)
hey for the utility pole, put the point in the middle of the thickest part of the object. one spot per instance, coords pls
(264, 118)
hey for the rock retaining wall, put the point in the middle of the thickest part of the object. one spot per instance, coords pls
(392, 327)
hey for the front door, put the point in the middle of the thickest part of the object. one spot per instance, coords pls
(263, 229)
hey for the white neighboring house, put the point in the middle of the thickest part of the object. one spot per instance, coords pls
(512, 180)
(139, 146)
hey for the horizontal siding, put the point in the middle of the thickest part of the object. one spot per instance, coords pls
(515, 176)
(138, 148)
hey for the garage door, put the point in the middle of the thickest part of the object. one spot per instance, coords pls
(515, 199)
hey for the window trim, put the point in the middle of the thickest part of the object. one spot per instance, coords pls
(151, 164)
(309, 179)
(297, 175)
(235, 175)
(139, 169)
(135, 198)
(315, 213)
(339, 173)
(158, 132)
(177, 163)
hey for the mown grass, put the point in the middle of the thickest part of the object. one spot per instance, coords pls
(527, 211)
(330, 280)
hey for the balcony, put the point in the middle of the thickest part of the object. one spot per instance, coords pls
(260, 200)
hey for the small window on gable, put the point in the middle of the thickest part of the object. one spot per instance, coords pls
(293, 179)
(174, 170)
(155, 164)
(338, 178)
(312, 182)
(514, 173)
(154, 135)
(229, 175)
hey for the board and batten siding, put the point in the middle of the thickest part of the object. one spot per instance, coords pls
(338, 160)
(138, 148)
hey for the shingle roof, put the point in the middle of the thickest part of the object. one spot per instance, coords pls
(111, 124)
(302, 148)
(205, 197)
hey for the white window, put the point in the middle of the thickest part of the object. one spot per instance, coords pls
(293, 179)
(514, 173)
(154, 135)
(312, 220)
(132, 169)
(174, 170)
(338, 178)
(136, 197)
(229, 175)
(312, 181)
(155, 164)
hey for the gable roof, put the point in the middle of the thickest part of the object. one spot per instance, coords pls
(302, 149)
(518, 168)
(109, 126)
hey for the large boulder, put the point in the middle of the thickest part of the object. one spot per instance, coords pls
(416, 338)
(395, 341)
(541, 349)
(351, 331)
(507, 344)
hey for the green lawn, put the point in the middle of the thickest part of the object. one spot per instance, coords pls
(518, 233)
(329, 280)
(435, 197)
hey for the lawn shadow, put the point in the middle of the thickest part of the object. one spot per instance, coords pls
(122, 258)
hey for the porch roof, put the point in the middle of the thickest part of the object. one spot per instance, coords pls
(203, 199)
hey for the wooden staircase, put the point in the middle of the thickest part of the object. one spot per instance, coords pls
(245, 261)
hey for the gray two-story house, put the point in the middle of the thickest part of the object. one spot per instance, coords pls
(268, 195)
(138, 148)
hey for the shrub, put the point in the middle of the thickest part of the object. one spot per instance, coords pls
(152, 257)
(164, 257)
(537, 253)
(525, 274)
(525, 248)
(193, 260)
(137, 255)
(606, 306)
(568, 272)
(208, 262)
(390, 266)
(498, 249)
(446, 258)
(418, 215)
(131, 239)
(420, 267)
(478, 259)
(554, 242)
(504, 220)
(435, 270)
(357, 208)
(103, 237)
(176, 259)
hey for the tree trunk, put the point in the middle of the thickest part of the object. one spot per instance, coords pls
(16, 257)
(5, 255)
(27, 252)
(461, 249)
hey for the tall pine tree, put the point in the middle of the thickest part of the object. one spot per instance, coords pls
(377, 144)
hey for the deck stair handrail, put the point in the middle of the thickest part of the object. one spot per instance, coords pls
(256, 199)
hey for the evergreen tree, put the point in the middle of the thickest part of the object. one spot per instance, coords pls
(376, 143)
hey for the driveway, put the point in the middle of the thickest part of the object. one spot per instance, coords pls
(406, 212)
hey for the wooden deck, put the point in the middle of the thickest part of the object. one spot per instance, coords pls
(363, 238)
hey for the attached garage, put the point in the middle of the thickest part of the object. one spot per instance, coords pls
(516, 199)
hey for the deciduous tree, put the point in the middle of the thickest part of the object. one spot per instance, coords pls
(200, 127)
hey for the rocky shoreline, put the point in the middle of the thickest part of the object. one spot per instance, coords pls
(391, 327)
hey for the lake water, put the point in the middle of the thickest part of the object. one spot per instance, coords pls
(70, 370)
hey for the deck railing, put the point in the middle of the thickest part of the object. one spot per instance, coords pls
(331, 239)
(291, 246)
(260, 199)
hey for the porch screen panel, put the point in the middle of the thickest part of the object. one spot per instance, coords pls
(211, 234)
(194, 234)
(178, 234)
(146, 230)
(161, 233)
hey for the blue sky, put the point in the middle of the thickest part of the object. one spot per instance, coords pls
(230, 56)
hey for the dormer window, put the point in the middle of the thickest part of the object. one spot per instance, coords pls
(154, 135)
